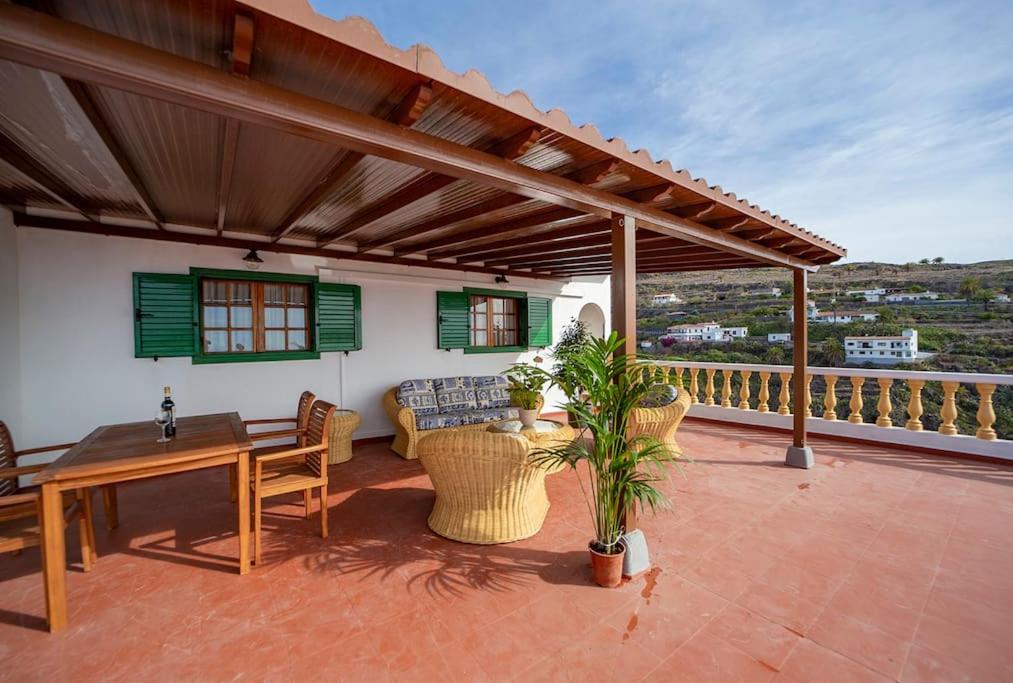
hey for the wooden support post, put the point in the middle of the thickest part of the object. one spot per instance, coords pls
(624, 299)
(799, 454)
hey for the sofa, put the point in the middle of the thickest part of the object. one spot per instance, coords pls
(418, 407)
(659, 415)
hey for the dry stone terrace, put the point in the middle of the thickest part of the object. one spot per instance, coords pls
(875, 565)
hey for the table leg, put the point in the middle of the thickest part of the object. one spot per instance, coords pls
(111, 505)
(54, 554)
(243, 498)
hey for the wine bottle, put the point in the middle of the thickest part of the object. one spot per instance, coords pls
(169, 408)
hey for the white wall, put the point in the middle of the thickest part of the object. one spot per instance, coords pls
(10, 343)
(76, 328)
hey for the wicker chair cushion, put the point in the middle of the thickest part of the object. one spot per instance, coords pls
(473, 417)
(438, 420)
(492, 391)
(419, 395)
(659, 396)
(454, 394)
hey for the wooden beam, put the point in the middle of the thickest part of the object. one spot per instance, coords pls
(595, 173)
(602, 260)
(406, 113)
(695, 211)
(74, 50)
(212, 240)
(446, 247)
(799, 455)
(440, 222)
(623, 258)
(600, 249)
(54, 187)
(563, 239)
(425, 185)
(240, 58)
(730, 224)
(653, 195)
(79, 91)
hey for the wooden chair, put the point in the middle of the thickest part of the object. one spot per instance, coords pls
(302, 416)
(283, 469)
(21, 506)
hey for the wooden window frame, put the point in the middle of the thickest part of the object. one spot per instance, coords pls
(257, 282)
(521, 317)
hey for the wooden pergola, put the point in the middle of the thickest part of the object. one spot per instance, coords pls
(262, 125)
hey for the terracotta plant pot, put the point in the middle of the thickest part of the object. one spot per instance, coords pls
(528, 417)
(607, 570)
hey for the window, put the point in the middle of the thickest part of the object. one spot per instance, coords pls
(226, 316)
(494, 321)
(241, 316)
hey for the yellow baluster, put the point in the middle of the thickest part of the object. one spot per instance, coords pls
(744, 390)
(708, 398)
(678, 378)
(884, 406)
(830, 400)
(664, 374)
(856, 400)
(764, 394)
(948, 411)
(783, 397)
(808, 395)
(694, 389)
(914, 405)
(726, 388)
(986, 414)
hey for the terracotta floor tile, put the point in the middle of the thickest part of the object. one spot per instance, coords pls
(849, 553)
(758, 637)
(862, 642)
(811, 662)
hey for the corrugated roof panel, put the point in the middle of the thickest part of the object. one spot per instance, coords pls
(177, 152)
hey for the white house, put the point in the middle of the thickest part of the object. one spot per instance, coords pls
(910, 297)
(887, 350)
(1001, 299)
(665, 299)
(870, 295)
(811, 310)
(778, 337)
(705, 332)
(775, 292)
(844, 317)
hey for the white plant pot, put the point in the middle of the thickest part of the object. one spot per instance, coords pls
(528, 417)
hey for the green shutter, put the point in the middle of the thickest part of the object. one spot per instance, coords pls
(339, 317)
(539, 322)
(452, 320)
(165, 319)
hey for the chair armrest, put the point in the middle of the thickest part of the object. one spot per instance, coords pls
(15, 472)
(292, 452)
(44, 449)
(19, 499)
(269, 421)
(278, 434)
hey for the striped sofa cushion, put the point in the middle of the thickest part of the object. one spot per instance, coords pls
(419, 395)
(492, 391)
(454, 394)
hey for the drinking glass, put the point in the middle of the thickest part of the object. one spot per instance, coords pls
(162, 420)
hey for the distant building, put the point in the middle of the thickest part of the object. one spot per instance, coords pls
(775, 292)
(665, 299)
(870, 295)
(646, 345)
(811, 310)
(844, 317)
(882, 350)
(705, 332)
(779, 337)
(1001, 299)
(910, 297)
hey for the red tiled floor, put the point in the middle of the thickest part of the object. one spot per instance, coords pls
(874, 565)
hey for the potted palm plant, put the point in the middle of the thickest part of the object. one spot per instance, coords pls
(526, 382)
(621, 471)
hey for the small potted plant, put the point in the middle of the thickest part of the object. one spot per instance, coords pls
(621, 470)
(573, 339)
(526, 382)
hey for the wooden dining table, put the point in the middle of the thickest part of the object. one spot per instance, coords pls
(124, 452)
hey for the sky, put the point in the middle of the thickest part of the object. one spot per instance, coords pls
(886, 127)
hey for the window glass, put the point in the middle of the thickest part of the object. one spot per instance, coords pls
(248, 317)
(494, 321)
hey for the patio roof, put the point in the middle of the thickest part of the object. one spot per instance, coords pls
(901, 571)
(263, 123)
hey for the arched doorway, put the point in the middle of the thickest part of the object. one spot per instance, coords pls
(594, 319)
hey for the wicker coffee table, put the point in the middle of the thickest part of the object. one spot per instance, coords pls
(342, 427)
(544, 433)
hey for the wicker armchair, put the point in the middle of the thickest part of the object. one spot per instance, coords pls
(407, 435)
(488, 490)
(661, 423)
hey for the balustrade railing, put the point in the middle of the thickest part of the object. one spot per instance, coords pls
(867, 387)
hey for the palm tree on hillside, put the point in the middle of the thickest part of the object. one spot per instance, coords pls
(832, 351)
